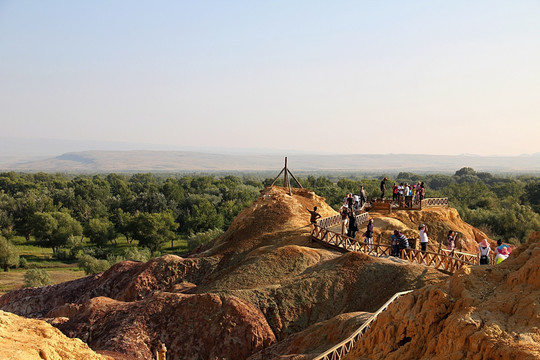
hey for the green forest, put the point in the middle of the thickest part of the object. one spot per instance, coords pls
(92, 215)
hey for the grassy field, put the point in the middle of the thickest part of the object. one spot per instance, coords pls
(65, 270)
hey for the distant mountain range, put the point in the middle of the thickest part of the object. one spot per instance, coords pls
(191, 161)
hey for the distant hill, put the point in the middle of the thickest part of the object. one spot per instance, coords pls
(179, 161)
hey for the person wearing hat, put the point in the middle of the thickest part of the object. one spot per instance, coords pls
(484, 252)
(423, 237)
(502, 255)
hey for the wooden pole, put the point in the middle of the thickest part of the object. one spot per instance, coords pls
(286, 181)
(275, 179)
(295, 179)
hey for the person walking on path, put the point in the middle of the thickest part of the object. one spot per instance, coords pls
(501, 246)
(484, 252)
(423, 237)
(502, 255)
(383, 186)
(344, 218)
(353, 226)
(368, 236)
(451, 242)
(314, 215)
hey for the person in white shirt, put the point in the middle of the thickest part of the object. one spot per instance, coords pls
(423, 237)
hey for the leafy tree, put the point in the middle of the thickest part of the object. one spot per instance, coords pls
(100, 231)
(202, 215)
(438, 181)
(532, 195)
(55, 228)
(465, 171)
(120, 193)
(26, 205)
(153, 230)
(7, 223)
(9, 256)
(124, 224)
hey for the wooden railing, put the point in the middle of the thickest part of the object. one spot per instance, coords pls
(332, 221)
(344, 347)
(433, 202)
(469, 257)
(408, 204)
(443, 259)
(440, 261)
(329, 222)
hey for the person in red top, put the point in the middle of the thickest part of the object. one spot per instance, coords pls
(394, 192)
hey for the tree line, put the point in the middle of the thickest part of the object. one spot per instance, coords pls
(55, 209)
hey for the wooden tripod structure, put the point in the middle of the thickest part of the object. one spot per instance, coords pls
(286, 179)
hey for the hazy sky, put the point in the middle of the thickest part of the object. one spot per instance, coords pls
(428, 77)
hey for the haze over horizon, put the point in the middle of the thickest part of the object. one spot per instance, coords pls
(313, 77)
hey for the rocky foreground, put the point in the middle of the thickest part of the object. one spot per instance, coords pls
(262, 290)
(25, 339)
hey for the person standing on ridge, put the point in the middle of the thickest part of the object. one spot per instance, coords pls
(423, 237)
(383, 186)
(363, 196)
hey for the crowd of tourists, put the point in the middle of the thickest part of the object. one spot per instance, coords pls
(405, 192)
(353, 204)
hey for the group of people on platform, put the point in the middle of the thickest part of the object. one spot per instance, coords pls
(405, 192)
(355, 202)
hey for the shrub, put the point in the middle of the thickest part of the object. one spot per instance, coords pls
(114, 259)
(9, 256)
(63, 254)
(203, 237)
(91, 265)
(23, 263)
(137, 254)
(36, 277)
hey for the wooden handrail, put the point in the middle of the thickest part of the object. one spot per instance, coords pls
(346, 345)
(343, 242)
(433, 202)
